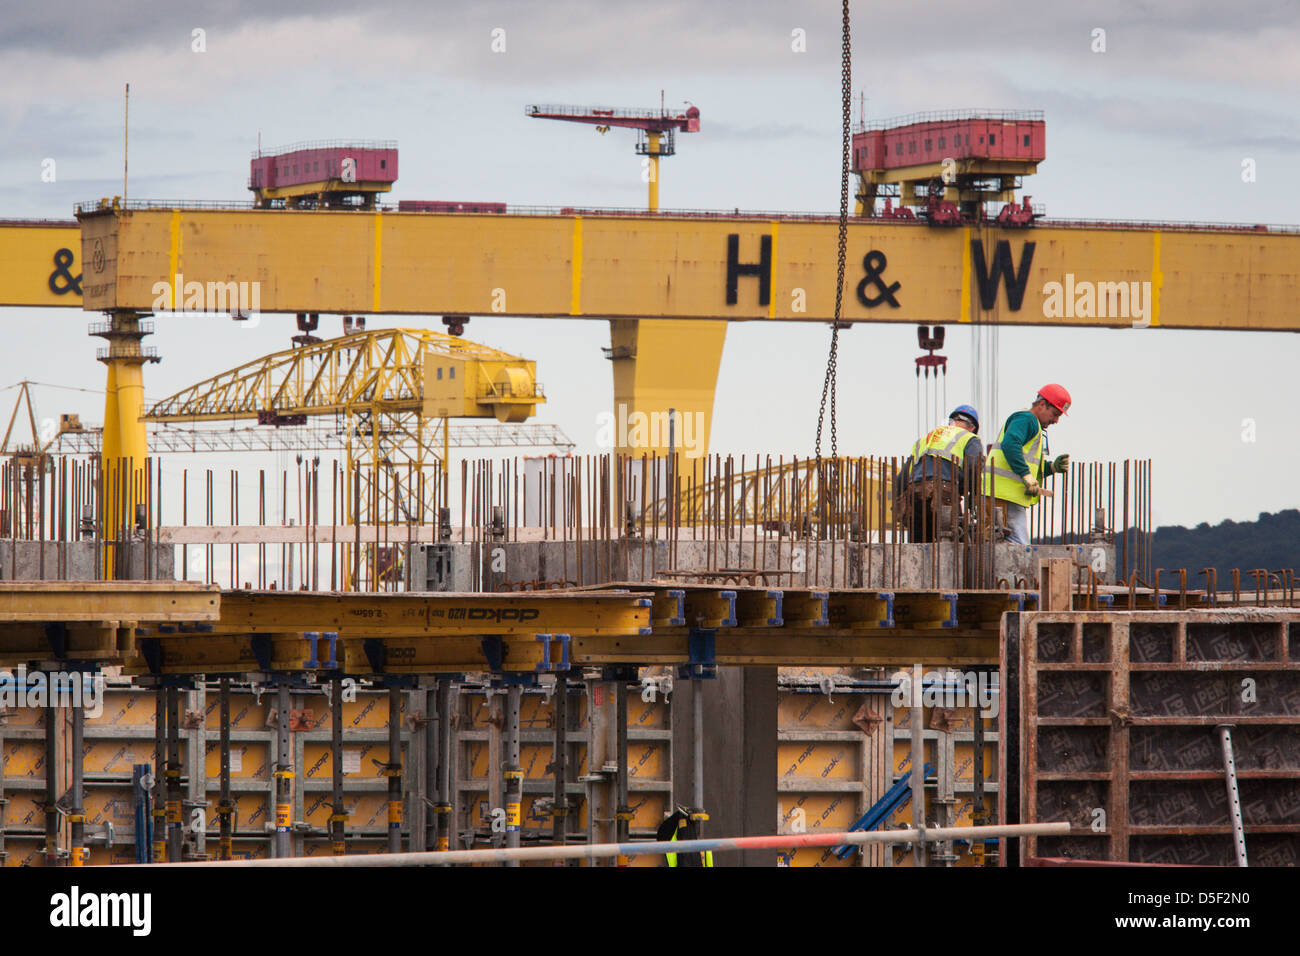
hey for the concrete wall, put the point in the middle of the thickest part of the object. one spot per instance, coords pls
(489, 566)
(77, 561)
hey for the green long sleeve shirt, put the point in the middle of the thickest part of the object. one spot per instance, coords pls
(1020, 429)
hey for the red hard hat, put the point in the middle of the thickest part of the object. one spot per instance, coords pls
(1056, 395)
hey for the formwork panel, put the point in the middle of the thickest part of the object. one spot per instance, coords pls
(1120, 717)
(122, 735)
(832, 756)
(478, 763)
(843, 744)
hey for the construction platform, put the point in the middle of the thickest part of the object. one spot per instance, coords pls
(1093, 710)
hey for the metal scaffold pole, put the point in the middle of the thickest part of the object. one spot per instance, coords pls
(283, 775)
(443, 806)
(559, 763)
(394, 770)
(77, 812)
(431, 766)
(174, 833)
(918, 764)
(338, 810)
(51, 786)
(622, 813)
(513, 775)
(159, 847)
(225, 808)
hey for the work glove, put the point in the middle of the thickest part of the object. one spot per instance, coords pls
(1031, 484)
(1061, 464)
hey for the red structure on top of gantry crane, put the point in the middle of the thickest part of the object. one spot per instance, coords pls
(657, 129)
(945, 166)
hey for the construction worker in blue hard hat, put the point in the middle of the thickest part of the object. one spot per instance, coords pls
(935, 473)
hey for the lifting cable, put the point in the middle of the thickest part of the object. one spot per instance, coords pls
(828, 386)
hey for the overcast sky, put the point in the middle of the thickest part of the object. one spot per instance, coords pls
(1154, 128)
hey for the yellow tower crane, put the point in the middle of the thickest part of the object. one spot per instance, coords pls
(653, 358)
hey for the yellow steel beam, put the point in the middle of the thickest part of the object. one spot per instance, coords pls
(104, 642)
(439, 614)
(798, 647)
(526, 653)
(41, 262)
(672, 266)
(96, 601)
(406, 634)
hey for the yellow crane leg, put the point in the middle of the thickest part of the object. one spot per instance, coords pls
(663, 364)
(125, 442)
(123, 407)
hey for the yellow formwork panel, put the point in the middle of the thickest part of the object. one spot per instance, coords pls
(116, 756)
(252, 811)
(318, 763)
(355, 847)
(534, 758)
(116, 855)
(321, 802)
(112, 805)
(817, 712)
(534, 712)
(670, 267)
(648, 715)
(365, 810)
(368, 712)
(245, 711)
(124, 708)
(23, 758)
(24, 851)
(475, 764)
(819, 761)
(25, 809)
(249, 760)
(25, 717)
(821, 811)
(647, 759)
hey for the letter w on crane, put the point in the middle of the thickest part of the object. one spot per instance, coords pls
(1016, 279)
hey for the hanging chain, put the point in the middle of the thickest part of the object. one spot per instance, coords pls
(828, 386)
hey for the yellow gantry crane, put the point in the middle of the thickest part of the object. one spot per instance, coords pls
(392, 391)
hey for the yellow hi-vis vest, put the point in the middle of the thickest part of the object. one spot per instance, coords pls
(1007, 485)
(947, 442)
(707, 855)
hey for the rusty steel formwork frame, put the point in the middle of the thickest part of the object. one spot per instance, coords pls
(1120, 719)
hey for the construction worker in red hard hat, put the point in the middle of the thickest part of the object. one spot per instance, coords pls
(934, 475)
(1017, 463)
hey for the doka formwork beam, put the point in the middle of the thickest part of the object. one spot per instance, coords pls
(422, 633)
(528, 653)
(97, 601)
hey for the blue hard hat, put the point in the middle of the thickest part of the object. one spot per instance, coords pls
(967, 411)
